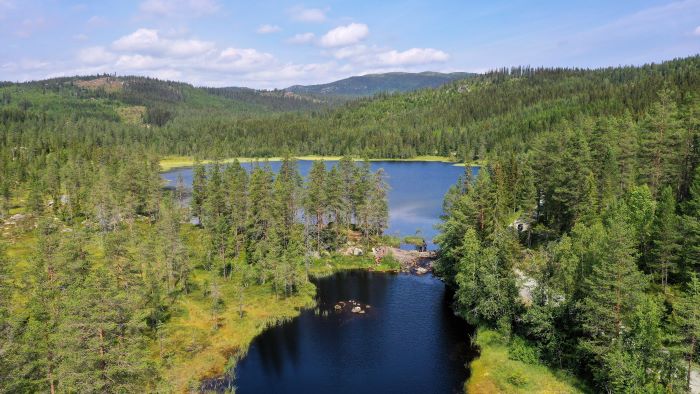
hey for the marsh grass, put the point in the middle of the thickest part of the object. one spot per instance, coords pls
(497, 371)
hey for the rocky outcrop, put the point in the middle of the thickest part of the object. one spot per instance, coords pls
(351, 305)
(352, 251)
(410, 260)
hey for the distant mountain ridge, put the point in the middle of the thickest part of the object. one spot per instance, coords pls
(371, 84)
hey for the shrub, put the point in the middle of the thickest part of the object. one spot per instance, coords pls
(520, 350)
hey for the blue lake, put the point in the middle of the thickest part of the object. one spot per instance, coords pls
(408, 341)
(415, 197)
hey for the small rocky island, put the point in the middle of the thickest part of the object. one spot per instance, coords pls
(351, 306)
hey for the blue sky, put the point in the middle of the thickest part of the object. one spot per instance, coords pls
(268, 44)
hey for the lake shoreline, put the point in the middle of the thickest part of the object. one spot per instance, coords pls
(227, 379)
(169, 163)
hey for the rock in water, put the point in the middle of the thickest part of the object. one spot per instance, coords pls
(357, 309)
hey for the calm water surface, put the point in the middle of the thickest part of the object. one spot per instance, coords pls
(409, 341)
(415, 198)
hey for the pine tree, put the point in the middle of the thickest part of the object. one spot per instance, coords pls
(625, 135)
(7, 343)
(287, 195)
(216, 219)
(689, 312)
(375, 211)
(236, 180)
(199, 181)
(35, 200)
(337, 210)
(172, 248)
(466, 276)
(660, 141)
(665, 238)
(37, 353)
(690, 221)
(613, 291)
(260, 213)
(102, 349)
(346, 175)
(315, 201)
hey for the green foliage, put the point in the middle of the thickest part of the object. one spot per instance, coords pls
(614, 199)
(520, 350)
(591, 180)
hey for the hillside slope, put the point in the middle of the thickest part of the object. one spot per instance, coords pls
(371, 84)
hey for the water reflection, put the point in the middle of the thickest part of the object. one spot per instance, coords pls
(415, 198)
(409, 341)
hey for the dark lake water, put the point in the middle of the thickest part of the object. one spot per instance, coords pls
(415, 198)
(409, 341)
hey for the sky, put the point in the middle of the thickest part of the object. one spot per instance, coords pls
(275, 44)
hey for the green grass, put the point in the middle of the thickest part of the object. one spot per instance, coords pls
(414, 240)
(193, 348)
(494, 372)
(329, 265)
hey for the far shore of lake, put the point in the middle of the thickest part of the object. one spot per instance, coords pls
(168, 163)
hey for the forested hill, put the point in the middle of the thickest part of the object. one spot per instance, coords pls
(131, 99)
(466, 119)
(589, 191)
(371, 84)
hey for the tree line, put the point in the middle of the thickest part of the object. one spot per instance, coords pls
(601, 216)
(110, 258)
(275, 223)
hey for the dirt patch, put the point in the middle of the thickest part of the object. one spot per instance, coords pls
(109, 84)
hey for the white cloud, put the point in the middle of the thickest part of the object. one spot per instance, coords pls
(345, 35)
(26, 65)
(290, 74)
(351, 52)
(148, 41)
(373, 56)
(140, 40)
(413, 56)
(138, 62)
(267, 29)
(235, 59)
(95, 55)
(302, 14)
(696, 32)
(301, 38)
(179, 7)
(81, 37)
